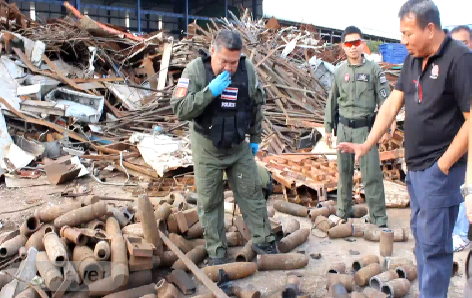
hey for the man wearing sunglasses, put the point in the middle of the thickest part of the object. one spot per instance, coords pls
(435, 86)
(358, 87)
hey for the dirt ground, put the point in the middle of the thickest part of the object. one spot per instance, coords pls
(270, 283)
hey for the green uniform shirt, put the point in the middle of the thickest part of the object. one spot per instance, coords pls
(357, 90)
(199, 96)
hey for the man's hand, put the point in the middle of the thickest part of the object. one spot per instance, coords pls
(468, 207)
(386, 138)
(443, 166)
(358, 149)
(329, 139)
(220, 83)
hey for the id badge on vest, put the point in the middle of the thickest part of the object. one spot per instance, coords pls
(229, 98)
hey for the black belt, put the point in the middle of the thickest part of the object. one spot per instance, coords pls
(357, 123)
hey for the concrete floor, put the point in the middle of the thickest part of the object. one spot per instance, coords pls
(270, 283)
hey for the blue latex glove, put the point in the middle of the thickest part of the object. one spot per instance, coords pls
(220, 83)
(254, 148)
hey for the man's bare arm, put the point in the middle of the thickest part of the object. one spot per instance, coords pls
(458, 147)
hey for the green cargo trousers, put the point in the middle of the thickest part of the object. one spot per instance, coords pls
(372, 177)
(209, 163)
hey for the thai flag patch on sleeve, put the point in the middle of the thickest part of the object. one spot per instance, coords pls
(230, 94)
(183, 83)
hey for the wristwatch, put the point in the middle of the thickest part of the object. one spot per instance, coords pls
(466, 190)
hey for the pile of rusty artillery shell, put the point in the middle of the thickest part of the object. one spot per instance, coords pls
(291, 208)
(293, 240)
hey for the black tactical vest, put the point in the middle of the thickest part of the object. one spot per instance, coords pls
(228, 117)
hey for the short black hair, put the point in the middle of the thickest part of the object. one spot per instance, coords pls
(351, 30)
(229, 39)
(462, 27)
(425, 11)
(446, 31)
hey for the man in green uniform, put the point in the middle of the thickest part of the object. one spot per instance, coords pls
(358, 87)
(221, 95)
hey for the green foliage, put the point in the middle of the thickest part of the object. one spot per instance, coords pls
(374, 46)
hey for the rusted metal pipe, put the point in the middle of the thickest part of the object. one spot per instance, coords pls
(119, 253)
(293, 240)
(248, 292)
(149, 222)
(106, 286)
(408, 271)
(377, 281)
(291, 208)
(322, 223)
(96, 225)
(195, 231)
(11, 247)
(396, 288)
(234, 270)
(386, 243)
(184, 245)
(135, 292)
(49, 273)
(341, 231)
(74, 235)
(362, 277)
(365, 261)
(197, 255)
(281, 261)
(346, 280)
(30, 225)
(36, 239)
(84, 262)
(246, 254)
(82, 215)
(338, 268)
(291, 226)
(49, 214)
(168, 258)
(102, 251)
(323, 211)
(55, 249)
(234, 239)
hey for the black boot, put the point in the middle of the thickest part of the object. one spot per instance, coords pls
(265, 248)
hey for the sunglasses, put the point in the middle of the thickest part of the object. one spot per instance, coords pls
(351, 43)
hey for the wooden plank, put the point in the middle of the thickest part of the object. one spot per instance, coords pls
(164, 66)
(190, 265)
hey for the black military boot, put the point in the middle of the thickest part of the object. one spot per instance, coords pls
(218, 261)
(269, 248)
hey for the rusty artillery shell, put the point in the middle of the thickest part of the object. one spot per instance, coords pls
(55, 249)
(119, 253)
(408, 271)
(357, 295)
(326, 204)
(28, 293)
(362, 277)
(359, 211)
(292, 286)
(336, 220)
(248, 292)
(246, 254)
(386, 243)
(340, 231)
(338, 291)
(400, 235)
(396, 288)
(81, 215)
(195, 231)
(393, 262)
(30, 225)
(291, 208)
(377, 281)
(322, 223)
(293, 240)
(234, 270)
(149, 296)
(119, 215)
(197, 255)
(372, 233)
(96, 225)
(112, 227)
(358, 230)
(51, 213)
(345, 279)
(338, 268)
(11, 247)
(270, 211)
(373, 293)
(106, 285)
(291, 226)
(36, 240)
(84, 262)
(184, 245)
(50, 274)
(149, 222)
(323, 211)
(332, 210)
(6, 278)
(168, 258)
(163, 211)
(73, 235)
(22, 252)
(166, 290)
(365, 261)
(102, 251)
(281, 261)
(234, 239)
(135, 292)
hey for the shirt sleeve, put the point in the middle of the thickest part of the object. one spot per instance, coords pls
(400, 85)
(382, 87)
(331, 106)
(462, 80)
